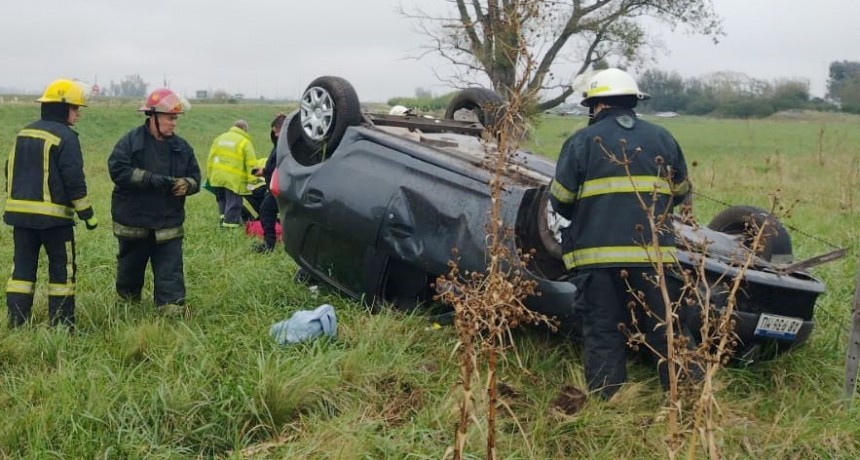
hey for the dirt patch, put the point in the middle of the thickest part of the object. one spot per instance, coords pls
(401, 406)
(570, 400)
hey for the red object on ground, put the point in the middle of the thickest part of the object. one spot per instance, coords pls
(255, 228)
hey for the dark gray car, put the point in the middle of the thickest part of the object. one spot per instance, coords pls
(374, 204)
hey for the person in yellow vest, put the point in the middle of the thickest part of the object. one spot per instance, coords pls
(45, 188)
(230, 172)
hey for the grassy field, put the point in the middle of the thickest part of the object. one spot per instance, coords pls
(131, 384)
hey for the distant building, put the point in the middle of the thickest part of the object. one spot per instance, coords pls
(201, 94)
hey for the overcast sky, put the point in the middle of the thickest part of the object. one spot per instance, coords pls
(274, 48)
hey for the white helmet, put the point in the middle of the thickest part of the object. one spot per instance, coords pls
(611, 82)
(399, 110)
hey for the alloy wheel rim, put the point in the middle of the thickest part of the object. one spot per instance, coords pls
(317, 113)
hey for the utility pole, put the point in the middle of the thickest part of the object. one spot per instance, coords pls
(853, 354)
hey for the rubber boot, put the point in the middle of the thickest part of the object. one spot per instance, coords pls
(267, 246)
(20, 308)
(61, 312)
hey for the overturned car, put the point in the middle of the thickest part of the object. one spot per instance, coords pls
(373, 205)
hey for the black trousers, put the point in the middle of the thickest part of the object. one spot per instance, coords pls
(167, 269)
(603, 303)
(59, 243)
(268, 219)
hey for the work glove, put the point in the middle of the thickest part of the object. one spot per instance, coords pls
(161, 181)
(180, 187)
(92, 223)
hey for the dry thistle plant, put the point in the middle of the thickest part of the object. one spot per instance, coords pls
(488, 305)
(718, 338)
(678, 363)
(693, 410)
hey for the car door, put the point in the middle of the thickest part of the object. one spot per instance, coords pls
(342, 203)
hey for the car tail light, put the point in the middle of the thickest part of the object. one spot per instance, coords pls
(273, 185)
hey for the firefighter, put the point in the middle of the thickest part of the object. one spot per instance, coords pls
(608, 243)
(230, 171)
(269, 207)
(153, 171)
(45, 188)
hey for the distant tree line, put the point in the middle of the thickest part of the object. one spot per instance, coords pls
(727, 94)
(129, 86)
(843, 87)
(723, 94)
(733, 94)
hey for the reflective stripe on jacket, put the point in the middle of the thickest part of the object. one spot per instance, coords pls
(605, 174)
(137, 233)
(230, 162)
(45, 183)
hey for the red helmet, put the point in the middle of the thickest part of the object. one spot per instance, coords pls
(164, 100)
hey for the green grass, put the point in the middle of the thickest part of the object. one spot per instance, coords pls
(131, 384)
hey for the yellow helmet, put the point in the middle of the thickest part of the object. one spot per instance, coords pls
(66, 91)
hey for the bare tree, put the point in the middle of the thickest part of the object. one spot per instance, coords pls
(474, 36)
(130, 86)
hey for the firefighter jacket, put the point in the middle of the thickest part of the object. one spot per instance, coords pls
(139, 166)
(45, 184)
(602, 173)
(231, 160)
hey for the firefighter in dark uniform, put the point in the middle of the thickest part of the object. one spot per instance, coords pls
(608, 243)
(45, 188)
(153, 170)
(269, 207)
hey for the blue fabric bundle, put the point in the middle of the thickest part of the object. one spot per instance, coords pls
(306, 325)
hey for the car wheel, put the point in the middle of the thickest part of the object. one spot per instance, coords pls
(301, 150)
(329, 105)
(536, 236)
(545, 230)
(474, 104)
(743, 220)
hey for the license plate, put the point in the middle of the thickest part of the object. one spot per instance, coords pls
(778, 327)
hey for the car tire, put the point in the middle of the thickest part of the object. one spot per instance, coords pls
(328, 106)
(742, 220)
(536, 238)
(481, 102)
(547, 238)
(304, 153)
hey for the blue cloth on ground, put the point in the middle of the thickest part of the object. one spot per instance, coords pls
(305, 325)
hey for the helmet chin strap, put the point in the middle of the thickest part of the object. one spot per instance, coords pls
(594, 109)
(154, 116)
(591, 114)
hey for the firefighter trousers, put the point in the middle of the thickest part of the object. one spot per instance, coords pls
(167, 269)
(59, 243)
(604, 304)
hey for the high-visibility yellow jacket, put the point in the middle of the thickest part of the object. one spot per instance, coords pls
(45, 185)
(231, 161)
